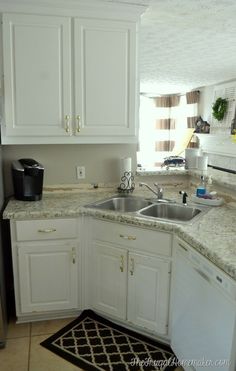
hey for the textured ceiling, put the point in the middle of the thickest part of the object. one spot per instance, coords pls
(185, 44)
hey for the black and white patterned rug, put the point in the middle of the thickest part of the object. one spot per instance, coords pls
(94, 343)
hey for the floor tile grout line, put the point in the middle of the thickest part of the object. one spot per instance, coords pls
(17, 337)
(29, 352)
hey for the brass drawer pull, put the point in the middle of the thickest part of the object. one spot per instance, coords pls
(130, 238)
(78, 124)
(49, 230)
(67, 124)
(183, 247)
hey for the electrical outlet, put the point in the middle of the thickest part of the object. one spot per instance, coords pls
(80, 171)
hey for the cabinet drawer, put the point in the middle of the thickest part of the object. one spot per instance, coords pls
(48, 229)
(145, 240)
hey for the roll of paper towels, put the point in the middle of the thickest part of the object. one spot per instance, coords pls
(191, 163)
(202, 162)
(192, 152)
(125, 165)
(191, 155)
(126, 176)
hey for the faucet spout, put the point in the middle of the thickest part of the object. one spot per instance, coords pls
(158, 192)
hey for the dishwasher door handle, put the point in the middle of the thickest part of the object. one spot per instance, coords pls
(202, 274)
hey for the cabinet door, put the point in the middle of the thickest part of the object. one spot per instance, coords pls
(37, 69)
(105, 77)
(148, 292)
(108, 279)
(48, 276)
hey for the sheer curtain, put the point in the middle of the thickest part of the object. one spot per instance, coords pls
(164, 123)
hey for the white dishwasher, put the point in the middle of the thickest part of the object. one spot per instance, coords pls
(203, 313)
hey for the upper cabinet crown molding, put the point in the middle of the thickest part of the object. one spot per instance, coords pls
(82, 8)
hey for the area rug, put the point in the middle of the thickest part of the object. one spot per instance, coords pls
(94, 343)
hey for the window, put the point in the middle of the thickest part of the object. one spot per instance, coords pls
(166, 127)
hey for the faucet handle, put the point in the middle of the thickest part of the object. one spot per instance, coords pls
(157, 186)
(159, 191)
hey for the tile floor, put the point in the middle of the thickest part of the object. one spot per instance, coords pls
(23, 351)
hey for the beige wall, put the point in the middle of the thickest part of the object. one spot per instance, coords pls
(101, 161)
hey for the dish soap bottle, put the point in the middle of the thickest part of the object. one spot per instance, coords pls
(201, 188)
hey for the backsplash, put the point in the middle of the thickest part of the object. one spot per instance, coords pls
(102, 162)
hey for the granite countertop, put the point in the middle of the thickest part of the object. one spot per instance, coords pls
(213, 235)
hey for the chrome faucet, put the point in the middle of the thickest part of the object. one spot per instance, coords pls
(158, 192)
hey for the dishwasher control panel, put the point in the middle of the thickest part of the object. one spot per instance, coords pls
(208, 270)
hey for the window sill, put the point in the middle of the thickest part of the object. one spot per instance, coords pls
(161, 171)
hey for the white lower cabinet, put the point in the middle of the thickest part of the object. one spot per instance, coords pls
(148, 292)
(109, 273)
(47, 276)
(121, 271)
(128, 281)
(47, 268)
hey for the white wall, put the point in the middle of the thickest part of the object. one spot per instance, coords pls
(205, 104)
(206, 100)
(222, 150)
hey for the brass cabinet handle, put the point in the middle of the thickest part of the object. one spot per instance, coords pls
(132, 266)
(47, 230)
(78, 128)
(122, 263)
(67, 123)
(130, 238)
(73, 255)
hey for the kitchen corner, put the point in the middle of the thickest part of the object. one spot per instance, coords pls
(213, 235)
(119, 181)
(111, 257)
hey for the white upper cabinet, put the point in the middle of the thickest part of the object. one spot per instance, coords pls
(105, 77)
(37, 68)
(69, 80)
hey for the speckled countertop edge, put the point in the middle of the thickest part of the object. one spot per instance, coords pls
(212, 235)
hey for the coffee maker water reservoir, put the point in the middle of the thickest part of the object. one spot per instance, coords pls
(27, 177)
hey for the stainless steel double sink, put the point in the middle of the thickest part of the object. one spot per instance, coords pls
(151, 209)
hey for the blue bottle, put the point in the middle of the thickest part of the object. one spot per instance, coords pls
(201, 189)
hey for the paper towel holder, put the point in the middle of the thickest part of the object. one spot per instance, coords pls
(127, 184)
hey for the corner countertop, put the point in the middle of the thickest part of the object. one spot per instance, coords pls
(213, 235)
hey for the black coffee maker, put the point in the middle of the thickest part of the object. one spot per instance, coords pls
(27, 177)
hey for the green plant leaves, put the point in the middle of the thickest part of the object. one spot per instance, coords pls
(219, 108)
